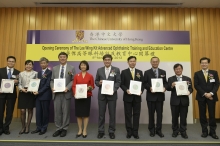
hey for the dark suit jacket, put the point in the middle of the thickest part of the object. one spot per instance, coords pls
(44, 90)
(100, 75)
(126, 77)
(203, 87)
(148, 75)
(184, 99)
(4, 75)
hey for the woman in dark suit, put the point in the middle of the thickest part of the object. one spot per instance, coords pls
(26, 100)
(82, 106)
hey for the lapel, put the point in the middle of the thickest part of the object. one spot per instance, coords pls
(152, 72)
(203, 77)
(129, 73)
(5, 73)
(175, 78)
(67, 70)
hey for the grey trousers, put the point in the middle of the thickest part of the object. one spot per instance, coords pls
(61, 111)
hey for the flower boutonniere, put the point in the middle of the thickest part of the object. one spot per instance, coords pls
(70, 73)
(210, 76)
(112, 73)
(188, 83)
(162, 76)
(90, 88)
(138, 75)
(44, 76)
(15, 76)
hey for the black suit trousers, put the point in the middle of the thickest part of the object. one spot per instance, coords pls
(9, 102)
(132, 108)
(202, 114)
(155, 106)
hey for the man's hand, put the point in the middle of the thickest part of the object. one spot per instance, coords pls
(151, 90)
(52, 90)
(128, 91)
(35, 93)
(15, 81)
(140, 93)
(66, 90)
(173, 84)
(24, 90)
(209, 96)
(100, 82)
(164, 89)
(189, 93)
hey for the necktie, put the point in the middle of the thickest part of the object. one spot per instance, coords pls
(132, 73)
(155, 73)
(107, 73)
(205, 74)
(178, 79)
(9, 73)
(42, 72)
(62, 72)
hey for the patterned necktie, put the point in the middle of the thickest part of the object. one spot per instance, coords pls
(132, 73)
(9, 73)
(62, 72)
(42, 72)
(107, 73)
(205, 75)
(178, 79)
(155, 73)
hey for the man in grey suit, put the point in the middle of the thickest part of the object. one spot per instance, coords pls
(62, 100)
(111, 73)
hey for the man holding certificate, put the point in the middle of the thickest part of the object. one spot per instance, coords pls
(179, 103)
(206, 83)
(44, 95)
(155, 99)
(62, 78)
(8, 99)
(132, 102)
(109, 73)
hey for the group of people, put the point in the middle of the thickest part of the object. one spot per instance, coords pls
(206, 82)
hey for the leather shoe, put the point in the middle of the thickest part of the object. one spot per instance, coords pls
(63, 133)
(42, 132)
(128, 136)
(84, 136)
(152, 133)
(204, 135)
(159, 133)
(57, 133)
(214, 136)
(100, 135)
(7, 132)
(136, 136)
(35, 131)
(175, 134)
(78, 135)
(112, 135)
(184, 135)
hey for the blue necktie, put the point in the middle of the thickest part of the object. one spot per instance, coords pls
(62, 72)
(9, 73)
(42, 72)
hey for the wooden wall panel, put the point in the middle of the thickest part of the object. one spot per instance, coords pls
(203, 24)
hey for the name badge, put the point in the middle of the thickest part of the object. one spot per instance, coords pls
(13, 76)
(212, 80)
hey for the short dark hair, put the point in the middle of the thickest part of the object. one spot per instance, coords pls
(44, 59)
(205, 58)
(177, 65)
(11, 57)
(130, 57)
(155, 57)
(84, 62)
(29, 61)
(63, 53)
(107, 56)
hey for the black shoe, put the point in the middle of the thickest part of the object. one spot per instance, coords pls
(184, 135)
(159, 133)
(63, 133)
(112, 135)
(57, 133)
(78, 135)
(7, 132)
(136, 136)
(42, 132)
(152, 133)
(213, 136)
(204, 135)
(84, 136)
(26, 132)
(128, 135)
(100, 135)
(22, 131)
(35, 131)
(1, 132)
(175, 134)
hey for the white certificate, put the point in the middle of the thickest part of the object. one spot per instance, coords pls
(135, 87)
(107, 87)
(33, 85)
(81, 91)
(59, 85)
(157, 85)
(7, 86)
(181, 88)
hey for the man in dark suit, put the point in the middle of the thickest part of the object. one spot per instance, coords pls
(155, 99)
(8, 99)
(206, 83)
(131, 102)
(179, 104)
(110, 73)
(44, 95)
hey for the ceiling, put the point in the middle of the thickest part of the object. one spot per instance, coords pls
(112, 3)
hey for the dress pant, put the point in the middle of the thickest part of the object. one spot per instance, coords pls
(102, 110)
(202, 115)
(9, 102)
(179, 111)
(42, 114)
(132, 109)
(155, 106)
